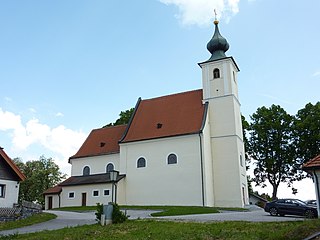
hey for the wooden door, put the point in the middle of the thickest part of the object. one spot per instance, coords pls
(84, 199)
(49, 203)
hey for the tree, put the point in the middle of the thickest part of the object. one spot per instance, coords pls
(40, 175)
(124, 118)
(270, 147)
(307, 133)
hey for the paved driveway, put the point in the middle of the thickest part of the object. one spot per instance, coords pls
(64, 219)
(257, 215)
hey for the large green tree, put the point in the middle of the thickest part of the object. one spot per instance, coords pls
(270, 147)
(40, 175)
(307, 133)
(124, 118)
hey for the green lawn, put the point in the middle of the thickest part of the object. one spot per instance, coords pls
(37, 218)
(151, 229)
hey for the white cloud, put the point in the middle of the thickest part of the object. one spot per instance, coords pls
(59, 114)
(200, 12)
(60, 140)
(315, 74)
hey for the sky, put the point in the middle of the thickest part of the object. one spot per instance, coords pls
(67, 67)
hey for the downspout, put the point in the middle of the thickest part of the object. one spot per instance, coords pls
(317, 191)
(201, 164)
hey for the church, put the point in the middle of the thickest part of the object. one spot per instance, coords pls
(184, 149)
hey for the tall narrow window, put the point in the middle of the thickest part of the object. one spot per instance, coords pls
(241, 161)
(110, 167)
(2, 190)
(216, 73)
(172, 159)
(86, 171)
(141, 163)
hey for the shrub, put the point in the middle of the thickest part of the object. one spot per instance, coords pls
(99, 212)
(117, 215)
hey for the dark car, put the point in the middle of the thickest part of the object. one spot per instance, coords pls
(290, 207)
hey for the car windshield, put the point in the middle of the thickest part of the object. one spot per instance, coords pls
(300, 202)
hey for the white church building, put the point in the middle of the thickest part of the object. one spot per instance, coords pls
(184, 149)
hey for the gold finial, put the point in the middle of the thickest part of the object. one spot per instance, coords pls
(215, 17)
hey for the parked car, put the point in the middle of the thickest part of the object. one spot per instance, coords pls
(290, 207)
(311, 202)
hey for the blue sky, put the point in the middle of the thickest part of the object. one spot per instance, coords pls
(67, 67)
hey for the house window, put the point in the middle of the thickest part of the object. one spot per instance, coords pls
(2, 190)
(141, 163)
(216, 73)
(172, 159)
(71, 194)
(110, 167)
(106, 192)
(86, 171)
(95, 193)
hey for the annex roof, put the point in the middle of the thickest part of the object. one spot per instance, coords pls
(12, 165)
(101, 141)
(90, 179)
(166, 116)
(54, 190)
(314, 163)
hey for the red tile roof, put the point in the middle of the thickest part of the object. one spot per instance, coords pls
(101, 141)
(312, 164)
(54, 190)
(11, 164)
(166, 116)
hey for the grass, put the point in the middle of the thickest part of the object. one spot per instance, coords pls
(77, 209)
(151, 229)
(37, 218)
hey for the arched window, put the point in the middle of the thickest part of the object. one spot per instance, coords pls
(172, 159)
(86, 171)
(216, 73)
(141, 162)
(110, 167)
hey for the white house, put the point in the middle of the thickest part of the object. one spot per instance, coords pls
(10, 177)
(313, 167)
(181, 149)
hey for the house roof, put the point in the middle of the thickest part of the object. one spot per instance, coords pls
(12, 165)
(54, 190)
(172, 115)
(314, 163)
(101, 141)
(90, 179)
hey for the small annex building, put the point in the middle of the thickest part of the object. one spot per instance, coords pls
(180, 149)
(10, 178)
(313, 167)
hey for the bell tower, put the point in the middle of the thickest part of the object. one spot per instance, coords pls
(220, 90)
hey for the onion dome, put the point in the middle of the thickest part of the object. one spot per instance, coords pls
(218, 45)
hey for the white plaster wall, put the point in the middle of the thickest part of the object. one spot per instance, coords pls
(159, 183)
(55, 201)
(97, 164)
(207, 164)
(88, 189)
(11, 193)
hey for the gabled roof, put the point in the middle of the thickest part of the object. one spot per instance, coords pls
(90, 179)
(172, 115)
(314, 163)
(12, 165)
(54, 190)
(101, 141)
